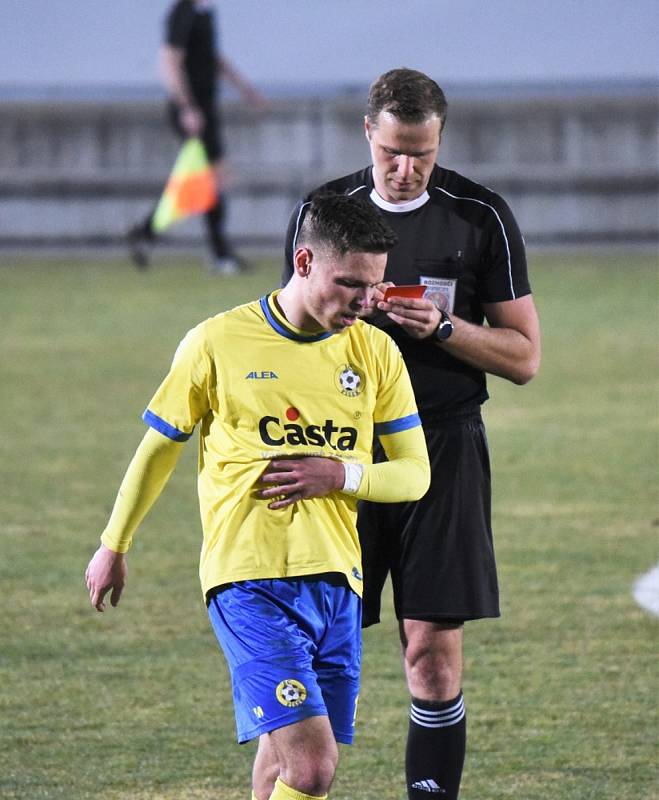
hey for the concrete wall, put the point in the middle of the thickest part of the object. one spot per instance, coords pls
(576, 169)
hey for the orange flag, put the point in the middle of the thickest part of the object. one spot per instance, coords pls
(190, 188)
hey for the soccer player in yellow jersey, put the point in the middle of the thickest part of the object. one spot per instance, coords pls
(288, 392)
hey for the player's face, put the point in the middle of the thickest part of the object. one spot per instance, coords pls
(403, 155)
(339, 289)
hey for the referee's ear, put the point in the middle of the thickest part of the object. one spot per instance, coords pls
(302, 259)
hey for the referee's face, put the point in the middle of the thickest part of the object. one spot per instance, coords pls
(403, 155)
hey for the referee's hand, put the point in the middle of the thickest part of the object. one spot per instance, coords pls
(107, 570)
(419, 317)
(376, 296)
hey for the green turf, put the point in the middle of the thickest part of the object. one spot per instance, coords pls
(134, 703)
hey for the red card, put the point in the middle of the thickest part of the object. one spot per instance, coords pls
(417, 291)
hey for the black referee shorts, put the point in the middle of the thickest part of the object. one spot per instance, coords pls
(439, 549)
(211, 135)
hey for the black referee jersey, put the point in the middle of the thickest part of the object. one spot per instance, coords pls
(191, 28)
(459, 238)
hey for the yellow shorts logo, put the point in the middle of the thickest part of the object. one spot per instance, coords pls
(291, 693)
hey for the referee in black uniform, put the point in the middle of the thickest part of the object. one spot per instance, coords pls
(192, 66)
(461, 241)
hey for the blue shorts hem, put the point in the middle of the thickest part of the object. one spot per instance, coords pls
(344, 738)
(267, 726)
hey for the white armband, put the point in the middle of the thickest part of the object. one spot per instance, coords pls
(353, 478)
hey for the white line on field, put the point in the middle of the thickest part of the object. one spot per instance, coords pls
(646, 591)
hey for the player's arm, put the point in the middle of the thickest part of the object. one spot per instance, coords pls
(508, 347)
(173, 74)
(229, 72)
(145, 478)
(405, 476)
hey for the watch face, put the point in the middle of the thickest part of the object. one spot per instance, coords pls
(444, 330)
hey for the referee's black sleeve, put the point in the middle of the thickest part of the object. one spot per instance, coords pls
(291, 236)
(506, 277)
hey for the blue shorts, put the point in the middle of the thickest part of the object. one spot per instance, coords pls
(293, 648)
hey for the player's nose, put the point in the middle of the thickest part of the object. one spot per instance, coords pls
(365, 297)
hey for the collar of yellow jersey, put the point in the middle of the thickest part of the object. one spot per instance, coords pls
(278, 322)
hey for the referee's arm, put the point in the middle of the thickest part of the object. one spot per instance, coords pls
(509, 346)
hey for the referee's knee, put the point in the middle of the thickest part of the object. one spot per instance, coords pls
(433, 668)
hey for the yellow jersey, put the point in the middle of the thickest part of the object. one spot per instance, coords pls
(259, 388)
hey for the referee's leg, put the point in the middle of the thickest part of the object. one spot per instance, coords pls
(436, 740)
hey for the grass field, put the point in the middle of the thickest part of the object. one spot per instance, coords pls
(134, 704)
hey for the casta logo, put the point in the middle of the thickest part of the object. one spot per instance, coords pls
(276, 433)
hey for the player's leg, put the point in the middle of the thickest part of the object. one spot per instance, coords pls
(266, 769)
(337, 662)
(308, 755)
(298, 761)
(270, 632)
(436, 739)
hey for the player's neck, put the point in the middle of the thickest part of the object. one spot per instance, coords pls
(291, 306)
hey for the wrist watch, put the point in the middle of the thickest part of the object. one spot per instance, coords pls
(444, 329)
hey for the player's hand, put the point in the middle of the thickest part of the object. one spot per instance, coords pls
(291, 479)
(192, 120)
(107, 570)
(419, 317)
(255, 99)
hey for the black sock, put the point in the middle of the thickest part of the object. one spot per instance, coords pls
(435, 749)
(145, 228)
(215, 222)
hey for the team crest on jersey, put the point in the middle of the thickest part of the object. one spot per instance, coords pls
(349, 380)
(291, 693)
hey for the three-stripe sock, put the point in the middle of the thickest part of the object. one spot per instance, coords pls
(435, 752)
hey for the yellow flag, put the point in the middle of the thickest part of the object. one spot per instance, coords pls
(190, 187)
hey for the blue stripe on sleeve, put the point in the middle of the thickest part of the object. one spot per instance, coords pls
(396, 425)
(154, 421)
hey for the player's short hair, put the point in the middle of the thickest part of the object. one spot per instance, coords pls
(341, 224)
(409, 95)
